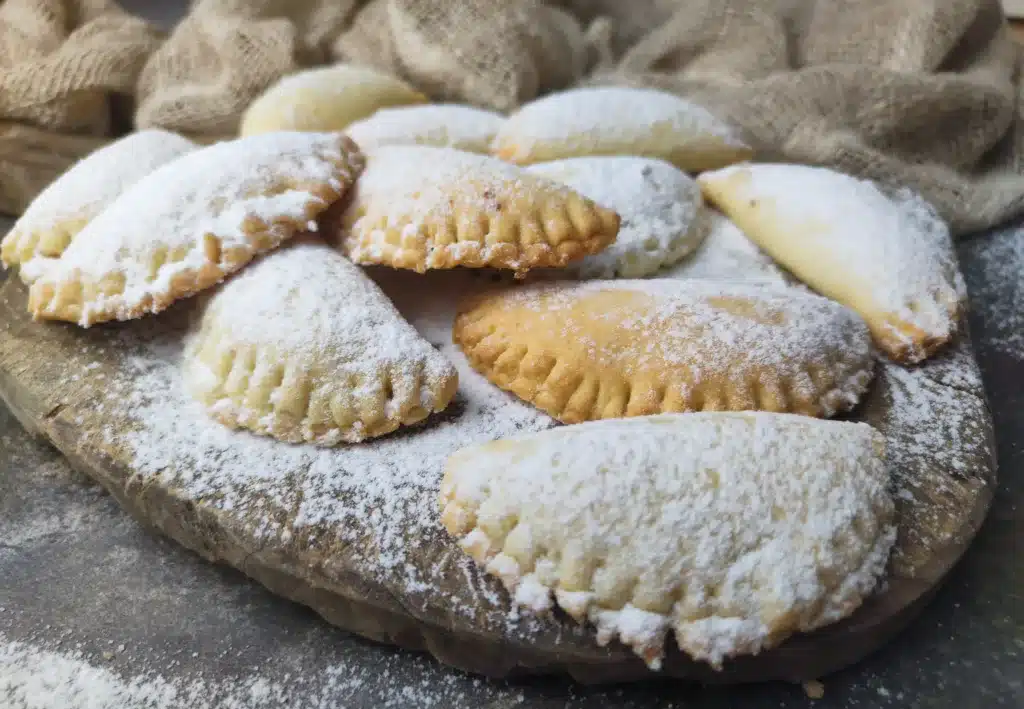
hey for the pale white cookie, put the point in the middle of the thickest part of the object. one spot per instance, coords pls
(420, 208)
(327, 98)
(444, 125)
(727, 254)
(304, 347)
(188, 224)
(619, 121)
(660, 208)
(886, 255)
(732, 531)
(71, 201)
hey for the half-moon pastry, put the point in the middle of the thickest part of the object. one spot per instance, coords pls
(606, 349)
(731, 531)
(71, 201)
(442, 125)
(419, 208)
(304, 347)
(660, 207)
(188, 224)
(325, 99)
(888, 256)
(619, 121)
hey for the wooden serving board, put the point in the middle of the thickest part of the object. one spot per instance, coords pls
(373, 561)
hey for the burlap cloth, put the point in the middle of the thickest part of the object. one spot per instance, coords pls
(922, 93)
(63, 66)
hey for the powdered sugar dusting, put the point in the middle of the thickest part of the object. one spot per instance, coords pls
(414, 190)
(999, 291)
(92, 183)
(658, 205)
(938, 443)
(414, 181)
(608, 117)
(444, 125)
(39, 678)
(727, 254)
(378, 499)
(714, 328)
(718, 526)
(156, 232)
(314, 323)
(893, 249)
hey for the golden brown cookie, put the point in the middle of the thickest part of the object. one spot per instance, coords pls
(619, 121)
(885, 254)
(605, 349)
(420, 208)
(187, 225)
(731, 531)
(304, 347)
(71, 201)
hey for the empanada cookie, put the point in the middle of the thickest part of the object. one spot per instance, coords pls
(444, 125)
(188, 224)
(418, 208)
(325, 99)
(619, 121)
(731, 530)
(606, 349)
(888, 256)
(304, 347)
(660, 208)
(727, 254)
(71, 201)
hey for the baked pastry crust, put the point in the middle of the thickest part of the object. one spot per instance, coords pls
(442, 125)
(190, 223)
(607, 349)
(420, 208)
(304, 347)
(619, 121)
(888, 256)
(731, 530)
(661, 209)
(325, 99)
(71, 201)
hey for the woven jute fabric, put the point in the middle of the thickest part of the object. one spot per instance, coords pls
(68, 69)
(226, 52)
(922, 93)
(61, 61)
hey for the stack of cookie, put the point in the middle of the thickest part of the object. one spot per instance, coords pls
(699, 489)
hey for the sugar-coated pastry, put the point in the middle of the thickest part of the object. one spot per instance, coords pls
(190, 223)
(886, 255)
(442, 125)
(732, 531)
(619, 121)
(71, 201)
(304, 347)
(420, 208)
(605, 349)
(660, 207)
